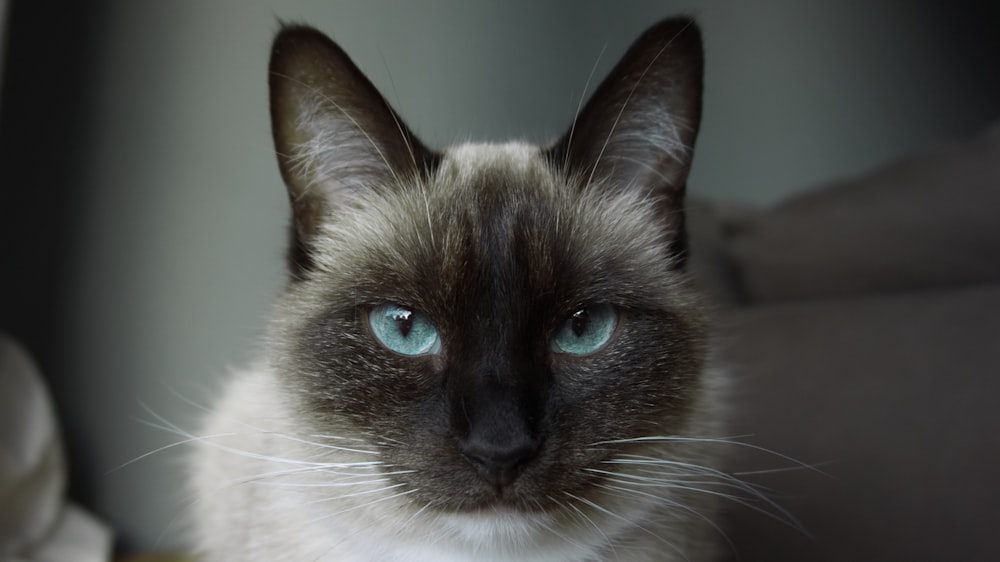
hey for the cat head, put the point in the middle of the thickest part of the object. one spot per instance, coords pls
(494, 319)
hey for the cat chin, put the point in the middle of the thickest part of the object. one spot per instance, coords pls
(497, 527)
(504, 534)
(522, 535)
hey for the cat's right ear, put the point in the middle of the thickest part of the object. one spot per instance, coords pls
(335, 135)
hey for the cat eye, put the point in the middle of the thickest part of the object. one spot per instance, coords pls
(404, 331)
(586, 330)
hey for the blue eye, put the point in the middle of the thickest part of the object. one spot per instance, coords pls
(586, 330)
(404, 331)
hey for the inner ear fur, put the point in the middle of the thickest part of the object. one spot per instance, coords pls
(334, 133)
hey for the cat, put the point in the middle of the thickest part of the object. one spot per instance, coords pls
(493, 352)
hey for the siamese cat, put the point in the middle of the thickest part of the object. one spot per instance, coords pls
(486, 353)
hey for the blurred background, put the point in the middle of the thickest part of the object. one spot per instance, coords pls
(142, 217)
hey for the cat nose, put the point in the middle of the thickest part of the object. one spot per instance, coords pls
(500, 463)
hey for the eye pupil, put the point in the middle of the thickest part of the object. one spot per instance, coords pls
(586, 331)
(403, 330)
(579, 322)
(404, 322)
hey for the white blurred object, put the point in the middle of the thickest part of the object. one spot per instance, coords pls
(36, 522)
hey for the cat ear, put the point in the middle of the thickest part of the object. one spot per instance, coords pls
(638, 129)
(335, 135)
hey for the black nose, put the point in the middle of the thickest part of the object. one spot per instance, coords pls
(500, 461)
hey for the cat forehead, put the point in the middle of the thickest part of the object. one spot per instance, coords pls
(501, 188)
(493, 211)
(480, 174)
(465, 163)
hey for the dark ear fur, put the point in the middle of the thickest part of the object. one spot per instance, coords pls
(335, 135)
(638, 129)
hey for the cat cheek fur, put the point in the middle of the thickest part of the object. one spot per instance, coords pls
(497, 447)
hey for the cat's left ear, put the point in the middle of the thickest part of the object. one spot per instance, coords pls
(638, 129)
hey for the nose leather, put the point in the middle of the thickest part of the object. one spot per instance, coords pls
(499, 456)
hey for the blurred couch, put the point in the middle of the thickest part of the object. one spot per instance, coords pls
(861, 322)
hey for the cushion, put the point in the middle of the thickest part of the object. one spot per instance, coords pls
(709, 262)
(895, 400)
(930, 220)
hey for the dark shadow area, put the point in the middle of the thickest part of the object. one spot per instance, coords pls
(968, 36)
(45, 113)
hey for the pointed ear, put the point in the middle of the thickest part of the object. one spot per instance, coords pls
(335, 135)
(638, 129)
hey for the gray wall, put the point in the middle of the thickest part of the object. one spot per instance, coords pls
(174, 245)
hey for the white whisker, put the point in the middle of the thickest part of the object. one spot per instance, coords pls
(395, 118)
(579, 106)
(365, 505)
(710, 440)
(630, 523)
(673, 503)
(355, 495)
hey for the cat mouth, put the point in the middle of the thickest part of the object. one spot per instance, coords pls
(536, 490)
(540, 483)
(512, 497)
(505, 500)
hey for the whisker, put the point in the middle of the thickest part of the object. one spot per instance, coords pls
(163, 448)
(780, 470)
(711, 440)
(344, 480)
(362, 506)
(173, 428)
(353, 495)
(775, 511)
(416, 514)
(579, 106)
(723, 480)
(189, 438)
(631, 523)
(677, 504)
(395, 118)
(330, 447)
(337, 437)
(587, 519)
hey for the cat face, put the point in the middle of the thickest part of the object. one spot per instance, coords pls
(497, 320)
